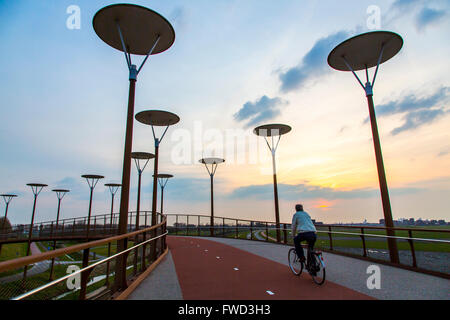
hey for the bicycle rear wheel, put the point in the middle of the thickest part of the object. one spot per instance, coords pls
(320, 274)
(294, 263)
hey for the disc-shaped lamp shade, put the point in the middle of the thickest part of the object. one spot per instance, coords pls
(164, 175)
(92, 176)
(37, 185)
(61, 190)
(211, 160)
(140, 28)
(142, 155)
(113, 185)
(157, 118)
(363, 51)
(269, 130)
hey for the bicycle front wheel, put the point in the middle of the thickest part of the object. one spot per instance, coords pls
(319, 276)
(294, 263)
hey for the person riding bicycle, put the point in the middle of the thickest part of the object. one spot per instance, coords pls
(302, 222)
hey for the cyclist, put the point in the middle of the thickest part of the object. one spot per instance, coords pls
(302, 222)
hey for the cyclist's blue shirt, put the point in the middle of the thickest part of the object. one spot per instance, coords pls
(301, 222)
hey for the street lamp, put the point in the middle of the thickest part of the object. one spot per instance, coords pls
(7, 198)
(145, 157)
(362, 52)
(162, 180)
(273, 130)
(60, 193)
(214, 162)
(92, 180)
(36, 188)
(113, 187)
(156, 118)
(137, 30)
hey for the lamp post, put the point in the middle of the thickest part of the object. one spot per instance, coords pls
(145, 157)
(7, 198)
(138, 156)
(362, 52)
(60, 193)
(162, 180)
(137, 30)
(92, 180)
(273, 130)
(113, 187)
(36, 188)
(156, 118)
(214, 162)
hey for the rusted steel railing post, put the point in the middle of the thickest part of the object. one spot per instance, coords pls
(267, 231)
(413, 252)
(51, 230)
(198, 226)
(84, 275)
(143, 252)
(176, 224)
(251, 230)
(363, 242)
(331, 238)
(95, 224)
(285, 233)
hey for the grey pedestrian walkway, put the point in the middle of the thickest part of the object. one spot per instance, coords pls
(161, 284)
(352, 273)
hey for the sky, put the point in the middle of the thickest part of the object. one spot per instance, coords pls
(234, 65)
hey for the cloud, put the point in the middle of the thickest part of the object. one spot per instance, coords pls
(179, 17)
(185, 189)
(418, 111)
(416, 119)
(404, 4)
(423, 15)
(303, 191)
(263, 109)
(428, 16)
(313, 64)
(444, 152)
(78, 187)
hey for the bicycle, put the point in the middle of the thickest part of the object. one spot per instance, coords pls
(315, 265)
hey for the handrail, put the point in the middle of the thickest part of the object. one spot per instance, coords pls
(23, 261)
(29, 293)
(317, 225)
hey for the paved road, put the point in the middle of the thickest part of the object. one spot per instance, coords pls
(190, 272)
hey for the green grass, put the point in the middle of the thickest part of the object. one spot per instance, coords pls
(13, 251)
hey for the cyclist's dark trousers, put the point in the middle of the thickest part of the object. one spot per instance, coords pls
(309, 237)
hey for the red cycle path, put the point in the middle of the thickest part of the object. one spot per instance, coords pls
(206, 271)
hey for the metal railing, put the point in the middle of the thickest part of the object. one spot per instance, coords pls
(75, 280)
(421, 249)
(75, 228)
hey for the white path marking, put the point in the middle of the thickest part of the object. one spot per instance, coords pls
(218, 257)
(270, 292)
(236, 269)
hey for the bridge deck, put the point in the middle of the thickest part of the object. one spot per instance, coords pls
(191, 272)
